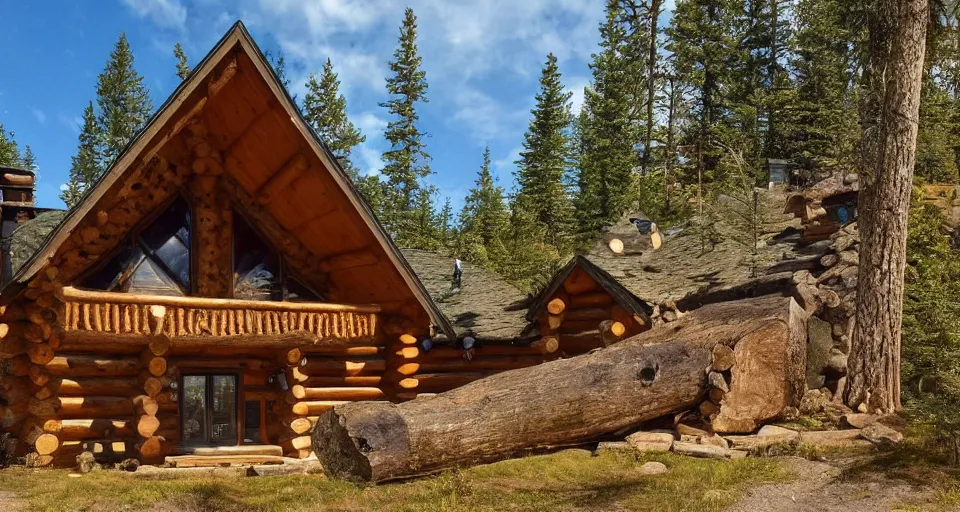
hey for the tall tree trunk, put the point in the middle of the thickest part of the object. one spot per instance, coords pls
(655, 6)
(671, 155)
(897, 45)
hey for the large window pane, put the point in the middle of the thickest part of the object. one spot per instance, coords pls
(194, 419)
(167, 239)
(224, 408)
(256, 266)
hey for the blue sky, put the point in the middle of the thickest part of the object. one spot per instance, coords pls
(482, 59)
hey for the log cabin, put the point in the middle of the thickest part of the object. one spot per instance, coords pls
(584, 307)
(218, 288)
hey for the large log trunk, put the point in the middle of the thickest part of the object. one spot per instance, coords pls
(894, 77)
(570, 401)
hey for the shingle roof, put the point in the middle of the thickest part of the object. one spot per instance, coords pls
(679, 267)
(481, 307)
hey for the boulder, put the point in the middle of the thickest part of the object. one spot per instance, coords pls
(653, 468)
(651, 441)
(837, 362)
(881, 435)
(686, 430)
(819, 343)
(704, 451)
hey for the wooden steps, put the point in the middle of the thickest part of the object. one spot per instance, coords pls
(210, 461)
(212, 451)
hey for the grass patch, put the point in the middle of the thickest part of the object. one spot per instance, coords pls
(568, 480)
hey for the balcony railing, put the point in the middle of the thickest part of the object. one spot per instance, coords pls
(124, 313)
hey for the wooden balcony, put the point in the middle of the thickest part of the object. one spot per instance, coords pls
(198, 318)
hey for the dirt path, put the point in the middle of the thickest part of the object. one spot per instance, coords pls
(820, 486)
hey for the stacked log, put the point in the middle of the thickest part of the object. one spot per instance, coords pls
(29, 337)
(582, 316)
(811, 205)
(446, 367)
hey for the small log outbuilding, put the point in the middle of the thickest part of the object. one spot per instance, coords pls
(584, 308)
(222, 284)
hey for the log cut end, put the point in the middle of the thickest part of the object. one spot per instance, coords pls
(346, 443)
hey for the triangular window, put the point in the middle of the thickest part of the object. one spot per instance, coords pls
(259, 273)
(156, 261)
(256, 267)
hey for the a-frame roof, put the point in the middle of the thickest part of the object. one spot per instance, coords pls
(259, 130)
(620, 294)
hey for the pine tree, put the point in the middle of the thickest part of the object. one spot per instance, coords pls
(607, 128)
(546, 158)
(85, 168)
(326, 111)
(406, 162)
(279, 65)
(9, 150)
(701, 39)
(484, 218)
(183, 69)
(821, 127)
(123, 100)
(444, 228)
(29, 160)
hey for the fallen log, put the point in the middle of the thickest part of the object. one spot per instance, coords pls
(570, 401)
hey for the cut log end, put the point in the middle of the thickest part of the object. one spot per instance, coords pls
(556, 306)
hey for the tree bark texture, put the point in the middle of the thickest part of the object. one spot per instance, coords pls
(570, 401)
(897, 45)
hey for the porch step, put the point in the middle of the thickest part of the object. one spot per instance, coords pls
(212, 461)
(251, 449)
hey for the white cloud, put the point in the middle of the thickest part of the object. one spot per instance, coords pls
(166, 13)
(72, 123)
(37, 113)
(575, 87)
(486, 118)
(369, 162)
(506, 165)
(370, 125)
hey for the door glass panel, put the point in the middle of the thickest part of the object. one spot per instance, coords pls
(194, 408)
(251, 422)
(224, 408)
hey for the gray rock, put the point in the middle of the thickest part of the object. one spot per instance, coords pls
(814, 401)
(785, 434)
(651, 441)
(612, 446)
(858, 420)
(881, 435)
(718, 381)
(653, 468)
(704, 451)
(837, 362)
(819, 343)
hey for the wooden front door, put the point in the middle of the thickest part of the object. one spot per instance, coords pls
(208, 411)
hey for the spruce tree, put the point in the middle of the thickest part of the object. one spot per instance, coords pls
(326, 111)
(123, 101)
(84, 168)
(607, 130)
(484, 219)
(183, 69)
(546, 158)
(9, 149)
(821, 127)
(406, 162)
(29, 160)
(444, 228)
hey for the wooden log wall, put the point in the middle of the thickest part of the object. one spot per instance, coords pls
(582, 316)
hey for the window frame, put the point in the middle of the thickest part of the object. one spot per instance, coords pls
(284, 271)
(208, 376)
(133, 240)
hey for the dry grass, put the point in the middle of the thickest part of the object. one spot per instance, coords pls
(569, 480)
